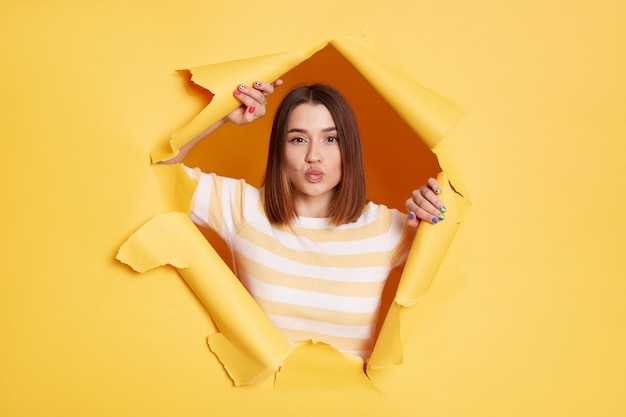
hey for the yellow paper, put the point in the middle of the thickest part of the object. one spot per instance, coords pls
(249, 345)
(429, 114)
(320, 367)
(428, 252)
(526, 313)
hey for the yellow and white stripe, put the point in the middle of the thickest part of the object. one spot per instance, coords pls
(314, 280)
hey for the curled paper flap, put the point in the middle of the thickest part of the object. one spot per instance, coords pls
(429, 248)
(221, 79)
(428, 114)
(449, 160)
(427, 253)
(249, 345)
(318, 366)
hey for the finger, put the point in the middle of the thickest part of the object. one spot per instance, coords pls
(431, 192)
(253, 100)
(434, 185)
(267, 88)
(412, 220)
(253, 92)
(425, 198)
(421, 214)
(423, 208)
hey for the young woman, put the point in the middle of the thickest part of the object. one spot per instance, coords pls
(308, 246)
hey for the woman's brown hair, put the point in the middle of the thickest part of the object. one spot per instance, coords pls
(349, 199)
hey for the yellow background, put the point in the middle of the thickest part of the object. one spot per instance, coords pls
(525, 317)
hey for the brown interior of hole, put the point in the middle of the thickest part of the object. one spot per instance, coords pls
(396, 159)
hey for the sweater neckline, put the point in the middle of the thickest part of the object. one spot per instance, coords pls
(315, 222)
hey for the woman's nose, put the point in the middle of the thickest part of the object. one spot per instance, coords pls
(313, 154)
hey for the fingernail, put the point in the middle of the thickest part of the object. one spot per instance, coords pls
(437, 191)
(442, 209)
(441, 217)
(435, 220)
(411, 215)
(242, 87)
(257, 83)
(237, 92)
(251, 109)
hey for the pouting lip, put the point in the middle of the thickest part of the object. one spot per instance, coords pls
(314, 174)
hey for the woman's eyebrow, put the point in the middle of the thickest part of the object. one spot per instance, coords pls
(300, 130)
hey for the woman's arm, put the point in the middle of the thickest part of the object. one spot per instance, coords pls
(253, 105)
(425, 205)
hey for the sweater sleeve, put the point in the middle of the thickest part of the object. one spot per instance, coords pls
(219, 203)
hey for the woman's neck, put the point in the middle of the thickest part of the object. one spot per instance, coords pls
(312, 207)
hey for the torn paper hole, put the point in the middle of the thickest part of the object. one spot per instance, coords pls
(248, 345)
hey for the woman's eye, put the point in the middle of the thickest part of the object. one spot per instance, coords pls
(332, 139)
(297, 140)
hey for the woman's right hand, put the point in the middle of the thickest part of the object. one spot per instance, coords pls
(253, 100)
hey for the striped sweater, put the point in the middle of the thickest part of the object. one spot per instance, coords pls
(314, 280)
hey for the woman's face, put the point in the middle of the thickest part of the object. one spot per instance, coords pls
(313, 158)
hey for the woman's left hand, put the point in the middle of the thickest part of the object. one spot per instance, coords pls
(424, 204)
(253, 100)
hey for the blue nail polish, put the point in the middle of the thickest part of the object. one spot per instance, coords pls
(435, 220)
(411, 215)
